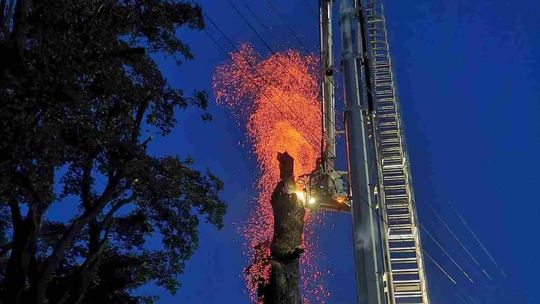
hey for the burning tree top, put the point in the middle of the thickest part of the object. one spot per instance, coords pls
(277, 98)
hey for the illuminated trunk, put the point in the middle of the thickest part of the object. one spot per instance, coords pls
(283, 286)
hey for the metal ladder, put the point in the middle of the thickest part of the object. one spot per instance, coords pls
(405, 280)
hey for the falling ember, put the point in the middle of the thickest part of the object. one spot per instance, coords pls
(277, 97)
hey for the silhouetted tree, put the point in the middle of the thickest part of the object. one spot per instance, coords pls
(81, 99)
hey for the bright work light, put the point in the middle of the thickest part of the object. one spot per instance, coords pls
(301, 196)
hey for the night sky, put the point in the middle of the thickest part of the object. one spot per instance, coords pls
(468, 83)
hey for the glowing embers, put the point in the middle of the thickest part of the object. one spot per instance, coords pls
(277, 98)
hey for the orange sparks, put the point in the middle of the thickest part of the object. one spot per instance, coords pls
(277, 97)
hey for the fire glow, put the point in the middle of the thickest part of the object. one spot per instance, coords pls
(277, 97)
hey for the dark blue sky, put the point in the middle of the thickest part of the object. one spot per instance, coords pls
(468, 80)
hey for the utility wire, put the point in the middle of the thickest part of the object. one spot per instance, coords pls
(479, 242)
(311, 9)
(457, 239)
(254, 69)
(448, 276)
(341, 175)
(275, 10)
(249, 63)
(446, 252)
(261, 76)
(269, 28)
(439, 266)
(374, 209)
(461, 299)
(425, 230)
(270, 49)
(250, 78)
(261, 23)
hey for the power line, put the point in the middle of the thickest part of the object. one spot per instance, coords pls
(258, 74)
(461, 299)
(341, 175)
(479, 242)
(249, 63)
(227, 54)
(280, 16)
(450, 278)
(253, 68)
(275, 10)
(311, 9)
(440, 267)
(245, 73)
(254, 15)
(270, 49)
(425, 252)
(446, 252)
(457, 239)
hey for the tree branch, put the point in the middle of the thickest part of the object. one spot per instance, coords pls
(23, 248)
(16, 217)
(95, 259)
(7, 13)
(87, 270)
(107, 220)
(25, 236)
(66, 240)
(20, 25)
(2, 11)
(85, 183)
(127, 51)
(138, 120)
(85, 274)
(4, 249)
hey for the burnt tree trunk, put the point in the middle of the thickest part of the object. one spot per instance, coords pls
(283, 286)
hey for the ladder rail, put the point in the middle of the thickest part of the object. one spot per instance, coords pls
(400, 233)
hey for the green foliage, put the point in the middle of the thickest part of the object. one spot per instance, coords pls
(81, 100)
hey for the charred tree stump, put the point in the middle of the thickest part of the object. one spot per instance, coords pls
(283, 286)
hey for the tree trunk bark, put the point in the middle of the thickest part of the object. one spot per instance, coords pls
(23, 250)
(283, 286)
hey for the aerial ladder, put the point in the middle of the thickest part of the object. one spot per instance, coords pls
(376, 188)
